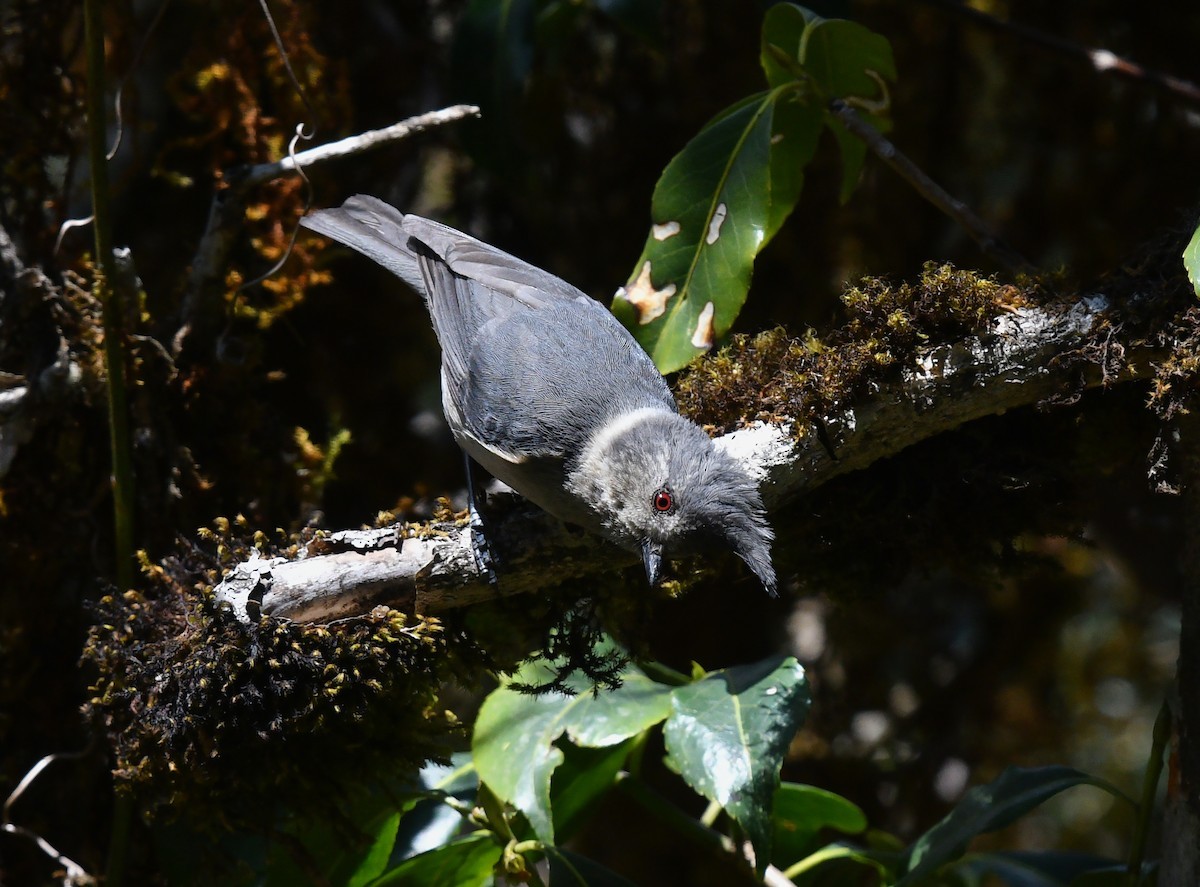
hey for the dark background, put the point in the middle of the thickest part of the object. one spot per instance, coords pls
(933, 667)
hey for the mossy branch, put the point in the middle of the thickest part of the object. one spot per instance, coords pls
(1022, 354)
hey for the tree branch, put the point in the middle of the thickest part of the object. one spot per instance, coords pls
(988, 241)
(1103, 61)
(1029, 355)
(202, 303)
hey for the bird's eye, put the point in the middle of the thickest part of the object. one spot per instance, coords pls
(664, 502)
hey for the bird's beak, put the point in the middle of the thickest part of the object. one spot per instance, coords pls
(652, 557)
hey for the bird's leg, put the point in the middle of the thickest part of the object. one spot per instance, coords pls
(479, 544)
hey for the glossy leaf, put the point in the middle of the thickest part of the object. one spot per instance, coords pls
(515, 733)
(711, 211)
(464, 862)
(986, 808)
(1191, 260)
(801, 812)
(727, 735)
(432, 822)
(846, 60)
(726, 194)
(783, 30)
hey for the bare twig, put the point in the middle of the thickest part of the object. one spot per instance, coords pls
(357, 144)
(929, 189)
(1103, 61)
(76, 876)
(202, 305)
(1019, 362)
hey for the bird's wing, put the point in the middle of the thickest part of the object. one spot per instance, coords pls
(494, 268)
(529, 363)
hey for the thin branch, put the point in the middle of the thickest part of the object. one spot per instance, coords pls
(203, 302)
(110, 299)
(987, 240)
(1102, 61)
(76, 875)
(357, 144)
(1022, 361)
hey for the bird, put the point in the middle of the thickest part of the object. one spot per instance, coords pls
(552, 395)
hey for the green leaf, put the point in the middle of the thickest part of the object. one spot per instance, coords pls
(725, 195)
(432, 822)
(795, 132)
(1191, 260)
(352, 859)
(1024, 869)
(711, 211)
(569, 869)
(846, 60)
(837, 58)
(829, 58)
(783, 31)
(727, 735)
(465, 862)
(515, 733)
(584, 778)
(803, 811)
(986, 808)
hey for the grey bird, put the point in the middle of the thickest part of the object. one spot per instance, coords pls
(544, 387)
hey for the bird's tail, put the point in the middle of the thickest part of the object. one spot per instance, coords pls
(374, 228)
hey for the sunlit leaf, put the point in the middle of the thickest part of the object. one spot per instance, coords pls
(728, 733)
(464, 862)
(1191, 260)
(711, 211)
(515, 733)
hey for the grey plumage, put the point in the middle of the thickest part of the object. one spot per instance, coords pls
(550, 393)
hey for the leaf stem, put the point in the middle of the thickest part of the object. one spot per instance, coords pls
(900, 163)
(1154, 768)
(109, 298)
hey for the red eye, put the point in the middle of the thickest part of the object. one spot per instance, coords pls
(663, 501)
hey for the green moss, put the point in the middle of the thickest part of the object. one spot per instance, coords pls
(773, 376)
(229, 720)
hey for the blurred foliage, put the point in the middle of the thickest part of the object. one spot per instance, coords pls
(1006, 593)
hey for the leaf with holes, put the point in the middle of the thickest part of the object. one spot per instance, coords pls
(712, 212)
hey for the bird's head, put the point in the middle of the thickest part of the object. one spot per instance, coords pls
(661, 487)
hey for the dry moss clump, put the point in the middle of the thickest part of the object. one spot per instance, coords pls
(773, 376)
(228, 720)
